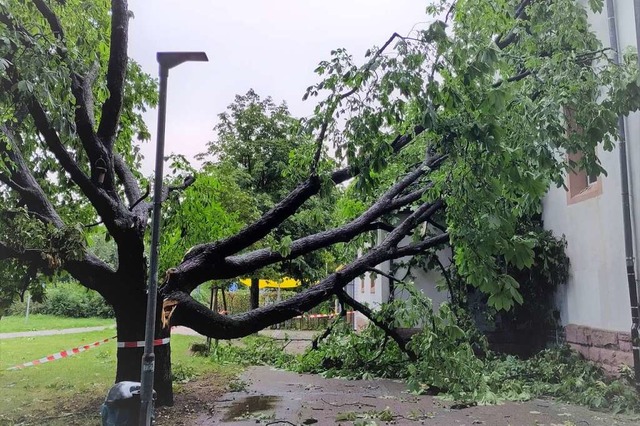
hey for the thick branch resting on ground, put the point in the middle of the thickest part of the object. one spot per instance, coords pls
(402, 343)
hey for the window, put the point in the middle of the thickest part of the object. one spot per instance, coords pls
(372, 286)
(581, 184)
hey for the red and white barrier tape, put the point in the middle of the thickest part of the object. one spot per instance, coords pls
(321, 315)
(140, 343)
(69, 352)
(61, 354)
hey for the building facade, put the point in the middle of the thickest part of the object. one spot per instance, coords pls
(595, 304)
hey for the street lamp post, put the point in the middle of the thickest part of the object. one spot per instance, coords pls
(166, 60)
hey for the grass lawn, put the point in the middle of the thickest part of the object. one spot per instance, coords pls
(69, 391)
(48, 322)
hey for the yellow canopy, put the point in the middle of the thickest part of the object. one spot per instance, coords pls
(284, 283)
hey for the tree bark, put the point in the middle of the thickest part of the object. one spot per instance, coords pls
(255, 293)
(130, 312)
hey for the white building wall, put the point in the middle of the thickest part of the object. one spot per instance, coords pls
(597, 292)
(426, 281)
(374, 289)
(371, 290)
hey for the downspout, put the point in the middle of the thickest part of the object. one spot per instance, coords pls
(626, 202)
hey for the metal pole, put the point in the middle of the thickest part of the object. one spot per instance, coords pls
(213, 305)
(26, 317)
(626, 205)
(166, 61)
(148, 358)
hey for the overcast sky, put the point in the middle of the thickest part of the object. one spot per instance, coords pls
(271, 46)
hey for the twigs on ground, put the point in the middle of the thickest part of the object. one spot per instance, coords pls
(356, 404)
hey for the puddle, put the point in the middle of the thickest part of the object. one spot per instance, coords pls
(251, 407)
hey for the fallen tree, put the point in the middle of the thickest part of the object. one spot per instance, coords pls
(458, 125)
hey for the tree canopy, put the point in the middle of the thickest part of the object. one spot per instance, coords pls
(259, 145)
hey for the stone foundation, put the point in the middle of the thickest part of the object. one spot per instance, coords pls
(607, 348)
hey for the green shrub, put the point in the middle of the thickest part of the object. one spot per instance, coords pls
(561, 373)
(181, 373)
(66, 300)
(448, 365)
(72, 300)
(253, 350)
(18, 308)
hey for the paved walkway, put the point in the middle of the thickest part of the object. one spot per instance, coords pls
(293, 335)
(286, 398)
(54, 332)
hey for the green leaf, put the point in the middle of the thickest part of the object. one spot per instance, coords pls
(596, 5)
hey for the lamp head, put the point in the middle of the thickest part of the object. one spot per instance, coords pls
(168, 60)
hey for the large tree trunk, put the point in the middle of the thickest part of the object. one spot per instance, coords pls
(130, 324)
(255, 293)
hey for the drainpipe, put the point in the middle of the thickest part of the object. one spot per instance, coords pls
(626, 202)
